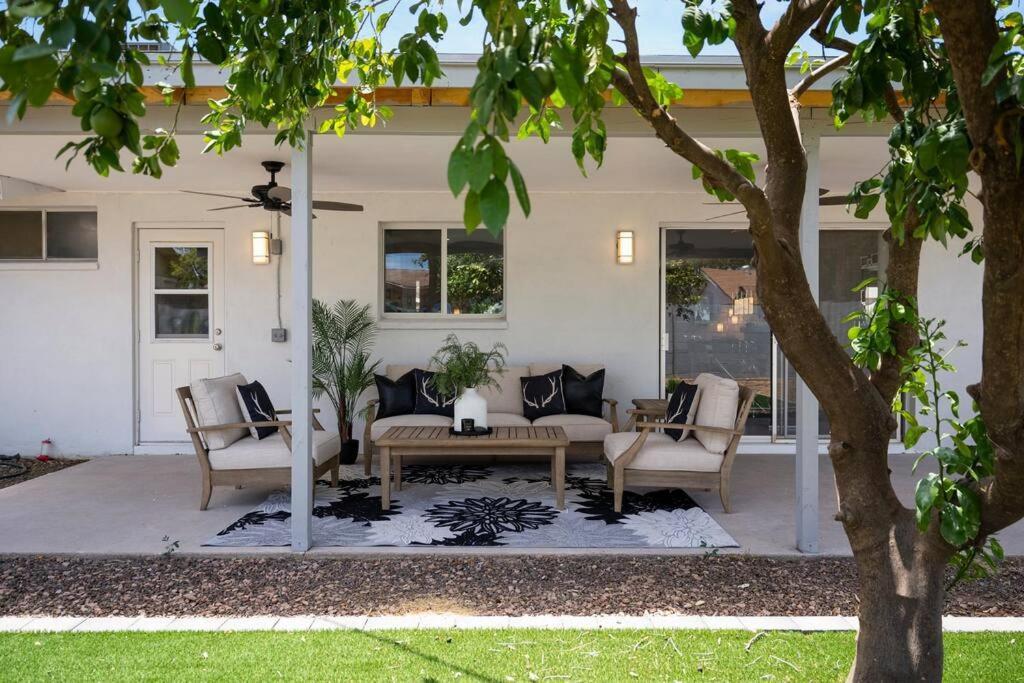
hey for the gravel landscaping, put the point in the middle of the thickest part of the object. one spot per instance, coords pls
(724, 585)
(35, 468)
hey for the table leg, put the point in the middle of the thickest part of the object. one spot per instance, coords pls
(397, 467)
(559, 478)
(385, 478)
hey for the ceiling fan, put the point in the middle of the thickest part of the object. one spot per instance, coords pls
(274, 197)
(824, 199)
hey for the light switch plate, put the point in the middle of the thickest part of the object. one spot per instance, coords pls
(278, 334)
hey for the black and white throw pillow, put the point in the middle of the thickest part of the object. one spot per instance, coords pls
(255, 403)
(395, 396)
(583, 394)
(682, 409)
(428, 401)
(543, 395)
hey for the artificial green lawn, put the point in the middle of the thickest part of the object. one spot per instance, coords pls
(485, 655)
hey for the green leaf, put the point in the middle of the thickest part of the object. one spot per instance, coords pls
(471, 216)
(494, 206)
(458, 168)
(179, 11)
(32, 51)
(481, 166)
(520, 186)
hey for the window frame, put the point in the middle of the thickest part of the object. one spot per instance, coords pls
(443, 315)
(45, 258)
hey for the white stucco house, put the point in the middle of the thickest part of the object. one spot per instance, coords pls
(93, 345)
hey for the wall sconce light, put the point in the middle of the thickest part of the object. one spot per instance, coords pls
(261, 247)
(624, 247)
(719, 327)
(868, 296)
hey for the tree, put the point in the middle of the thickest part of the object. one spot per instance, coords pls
(959, 66)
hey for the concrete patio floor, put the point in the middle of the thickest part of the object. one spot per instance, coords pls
(127, 505)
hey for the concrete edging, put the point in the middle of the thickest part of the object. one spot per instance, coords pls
(456, 621)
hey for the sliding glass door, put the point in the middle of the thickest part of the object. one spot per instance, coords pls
(713, 320)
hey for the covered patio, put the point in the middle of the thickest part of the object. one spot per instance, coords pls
(567, 301)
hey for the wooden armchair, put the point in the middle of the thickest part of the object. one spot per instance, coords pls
(248, 461)
(649, 460)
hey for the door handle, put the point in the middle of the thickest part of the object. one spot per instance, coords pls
(218, 347)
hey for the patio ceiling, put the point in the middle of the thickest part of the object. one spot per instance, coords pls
(388, 163)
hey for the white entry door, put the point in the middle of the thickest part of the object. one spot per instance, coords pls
(181, 323)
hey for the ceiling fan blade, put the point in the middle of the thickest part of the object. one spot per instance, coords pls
(215, 194)
(287, 211)
(726, 215)
(835, 200)
(234, 206)
(280, 193)
(336, 206)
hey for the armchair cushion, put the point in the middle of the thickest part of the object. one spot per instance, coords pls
(217, 404)
(256, 406)
(661, 452)
(682, 409)
(718, 405)
(577, 427)
(249, 453)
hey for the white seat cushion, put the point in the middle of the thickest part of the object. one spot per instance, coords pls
(719, 403)
(249, 453)
(661, 452)
(577, 427)
(378, 427)
(217, 404)
(506, 420)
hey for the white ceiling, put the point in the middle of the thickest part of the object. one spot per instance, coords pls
(378, 163)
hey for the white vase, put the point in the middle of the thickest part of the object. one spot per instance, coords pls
(471, 405)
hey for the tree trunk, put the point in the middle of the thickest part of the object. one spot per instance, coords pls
(901, 598)
(343, 425)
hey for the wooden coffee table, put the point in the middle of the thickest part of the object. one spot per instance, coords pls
(401, 441)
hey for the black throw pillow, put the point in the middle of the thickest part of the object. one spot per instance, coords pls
(542, 395)
(680, 406)
(255, 403)
(582, 394)
(395, 396)
(428, 401)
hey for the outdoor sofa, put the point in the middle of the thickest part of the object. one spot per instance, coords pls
(586, 433)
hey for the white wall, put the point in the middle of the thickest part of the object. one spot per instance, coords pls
(66, 369)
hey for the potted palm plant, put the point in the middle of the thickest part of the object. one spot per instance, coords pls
(342, 337)
(461, 369)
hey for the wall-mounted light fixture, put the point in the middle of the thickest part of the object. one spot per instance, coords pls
(261, 247)
(868, 296)
(624, 247)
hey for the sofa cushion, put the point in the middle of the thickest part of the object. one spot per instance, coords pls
(217, 404)
(395, 396)
(378, 427)
(250, 453)
(583, 393)
(542, 395)
(585, 369)
(428, 400)
(256, 406)
(506, 420)
(661, 452)
(577, 427)
(717, 407)
(505, 398)
(682, 409)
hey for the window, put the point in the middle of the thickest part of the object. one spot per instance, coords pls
(181, 292)
(433, 272)
(48, 235)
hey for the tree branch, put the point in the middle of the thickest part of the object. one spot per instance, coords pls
(632, 83)
(799, 16)
(817, 74)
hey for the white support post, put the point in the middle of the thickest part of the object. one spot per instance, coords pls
(302, 347)
(807, 503)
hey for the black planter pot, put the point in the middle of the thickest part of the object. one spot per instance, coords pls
(349, 451)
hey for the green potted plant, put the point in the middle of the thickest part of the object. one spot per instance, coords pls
(342, 337)
(462, 369)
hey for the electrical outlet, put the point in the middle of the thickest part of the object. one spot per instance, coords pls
(278, 334)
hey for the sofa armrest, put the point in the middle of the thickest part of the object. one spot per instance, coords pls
(371, 415)
(288, 411)
(613, 413)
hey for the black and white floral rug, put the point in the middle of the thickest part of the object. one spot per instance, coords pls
(504, 505)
